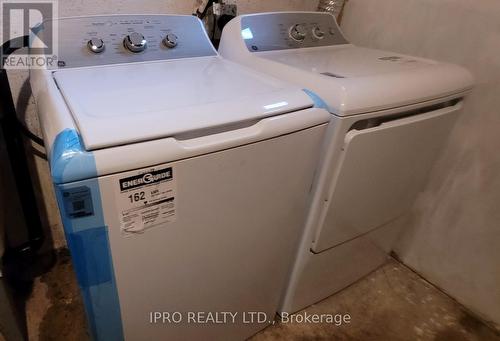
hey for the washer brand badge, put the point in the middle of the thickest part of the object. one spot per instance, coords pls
(146, 179)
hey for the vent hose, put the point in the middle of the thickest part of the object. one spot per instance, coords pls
(335, 7)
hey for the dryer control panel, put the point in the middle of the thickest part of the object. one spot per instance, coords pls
(290, 30)
(116, 39)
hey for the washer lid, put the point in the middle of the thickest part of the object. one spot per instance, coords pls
(123, 104)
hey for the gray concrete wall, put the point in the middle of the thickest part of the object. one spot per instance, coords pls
(22, 93)
(452, 236)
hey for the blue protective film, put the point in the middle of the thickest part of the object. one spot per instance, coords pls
(86, 234)
(68, 159)
(318, 101)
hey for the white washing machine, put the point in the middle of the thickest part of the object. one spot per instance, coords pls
(177, 177)
(391, 114)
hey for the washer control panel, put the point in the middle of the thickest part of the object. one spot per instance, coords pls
(281, 31)
(116, 39)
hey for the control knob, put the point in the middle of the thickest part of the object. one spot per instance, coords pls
(298, 32)
(170, 40)
(318, 33)
(135, 42)
(95, 45)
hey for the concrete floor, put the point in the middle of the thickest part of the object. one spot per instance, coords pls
(392, 303)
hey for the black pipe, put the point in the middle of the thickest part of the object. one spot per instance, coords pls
(14, 143)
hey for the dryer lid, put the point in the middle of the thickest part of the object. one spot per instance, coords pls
(128, 103)
(354, 80)
(349, 61)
